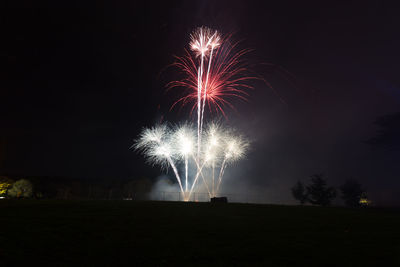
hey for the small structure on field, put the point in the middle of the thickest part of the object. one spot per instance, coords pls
(219, 200)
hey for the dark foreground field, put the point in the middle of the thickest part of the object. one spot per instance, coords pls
(106, 233)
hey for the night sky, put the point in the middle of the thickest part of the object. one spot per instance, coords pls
(80, 80)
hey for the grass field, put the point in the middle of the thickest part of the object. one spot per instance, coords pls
(128, 233)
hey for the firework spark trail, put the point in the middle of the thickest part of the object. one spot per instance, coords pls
(214, 43)
(199, 44)
(213, 179)
(199, 122)
(213, 148)
(205, 93)
(183, 141)
(198, 109)
(176, 174)
(186, 173)
(221, 174)
(199, 172)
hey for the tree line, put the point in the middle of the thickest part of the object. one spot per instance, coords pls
(69, 188)
(317, 192)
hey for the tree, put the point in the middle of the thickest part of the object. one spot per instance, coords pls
(5, 184)
(299, 192)
(318, 192)
(389, 134)
(351, 193)
(21, 189)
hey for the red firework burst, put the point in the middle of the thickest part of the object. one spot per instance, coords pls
(227, 76)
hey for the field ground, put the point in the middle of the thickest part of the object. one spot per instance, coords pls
(129, 233)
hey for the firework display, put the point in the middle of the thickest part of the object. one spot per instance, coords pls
(213, 73)
(169, 146)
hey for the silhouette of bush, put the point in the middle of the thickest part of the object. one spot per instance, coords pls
(21, 189)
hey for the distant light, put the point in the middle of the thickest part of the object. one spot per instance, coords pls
(364, 201)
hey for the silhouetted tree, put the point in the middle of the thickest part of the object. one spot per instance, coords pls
(318, 192)
(389, 133)
(299, 192)
(21, 189)
(351, 193)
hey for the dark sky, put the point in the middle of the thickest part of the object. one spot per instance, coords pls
(80, 80)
